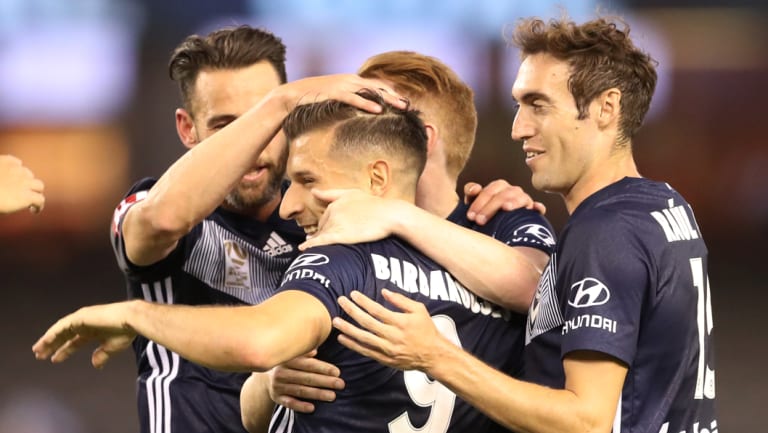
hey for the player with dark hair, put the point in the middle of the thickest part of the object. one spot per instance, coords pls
(332, 145)
(619, 336)
(208, 231)
(514, 243)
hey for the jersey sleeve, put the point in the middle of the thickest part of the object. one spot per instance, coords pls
(605, 275)
(136, 194)
(525, 228)
(326, 272)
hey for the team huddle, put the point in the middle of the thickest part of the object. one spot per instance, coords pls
(324, 275)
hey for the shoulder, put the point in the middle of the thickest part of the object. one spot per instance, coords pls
(629, 214)
(144, 184)
(336, 256)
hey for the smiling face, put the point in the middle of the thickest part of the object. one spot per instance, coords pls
(560, 149)
(221, 96)
(313, 164)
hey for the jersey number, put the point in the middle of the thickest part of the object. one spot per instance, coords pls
(427, 392)
(705, 379)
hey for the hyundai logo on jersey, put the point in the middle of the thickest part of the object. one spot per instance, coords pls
(588, 292)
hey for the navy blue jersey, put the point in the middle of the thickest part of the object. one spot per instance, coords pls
(629, 279)
(226, 259)
(382, 399)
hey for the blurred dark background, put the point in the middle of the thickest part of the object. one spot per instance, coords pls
(86, 103)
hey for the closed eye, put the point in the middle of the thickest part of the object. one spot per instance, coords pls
(218, 122)
(305, 180)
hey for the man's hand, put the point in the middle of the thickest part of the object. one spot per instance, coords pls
(304, 378)
(486, 201)
(103, 324)
(352, 216)
(407, 340)
(19, 188)
(340, 87)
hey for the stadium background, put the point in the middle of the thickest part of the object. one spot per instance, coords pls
(86, 102)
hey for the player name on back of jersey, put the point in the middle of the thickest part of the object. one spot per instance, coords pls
(437, 285)
(675, 223)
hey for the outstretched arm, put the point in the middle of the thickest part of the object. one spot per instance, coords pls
(356, 217)
(200, 180)
(19, 188)
(409, 340)
(247, 338)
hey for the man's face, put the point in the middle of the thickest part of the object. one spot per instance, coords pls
(220, 97)
(558, 146)
(311, 165)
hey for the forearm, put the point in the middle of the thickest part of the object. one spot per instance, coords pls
(513, 279)
(223, 337)
(520, 406)
(235, 338)
(199, 181)
(255, 405)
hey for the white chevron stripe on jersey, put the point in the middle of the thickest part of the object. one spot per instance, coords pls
(260, 273)
(163, 372)
(282, 420)
(544, 313)
(153, 428)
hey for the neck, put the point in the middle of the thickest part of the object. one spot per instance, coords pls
(618, 166)
(436, 193)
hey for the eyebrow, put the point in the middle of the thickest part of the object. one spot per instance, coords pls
(221, 118)
(529, 97)
(301, 173)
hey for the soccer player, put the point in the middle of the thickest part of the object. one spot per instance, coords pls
(208, 231)
(332, 145)
(516, 244)
(619, 336)
(19, 188)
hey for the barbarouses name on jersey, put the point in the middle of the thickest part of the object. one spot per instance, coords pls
(438, 285)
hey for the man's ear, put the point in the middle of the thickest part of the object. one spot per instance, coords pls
(379, 176)
(608, 108)
(185, 127)
(432, 137)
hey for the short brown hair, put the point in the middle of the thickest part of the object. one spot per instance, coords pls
(438, 91)
(600, 56)
(227, 48)
(392, 131)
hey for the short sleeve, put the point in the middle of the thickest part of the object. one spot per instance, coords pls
(136, 194)
(525, 228)
(604, 275)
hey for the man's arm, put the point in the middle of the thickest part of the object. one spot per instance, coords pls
(516, 270)
(587, 403)
(355, 217)
(255, 405)
(200, 180)
(247, 338)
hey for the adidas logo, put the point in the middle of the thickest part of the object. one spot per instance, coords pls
(276, 245)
